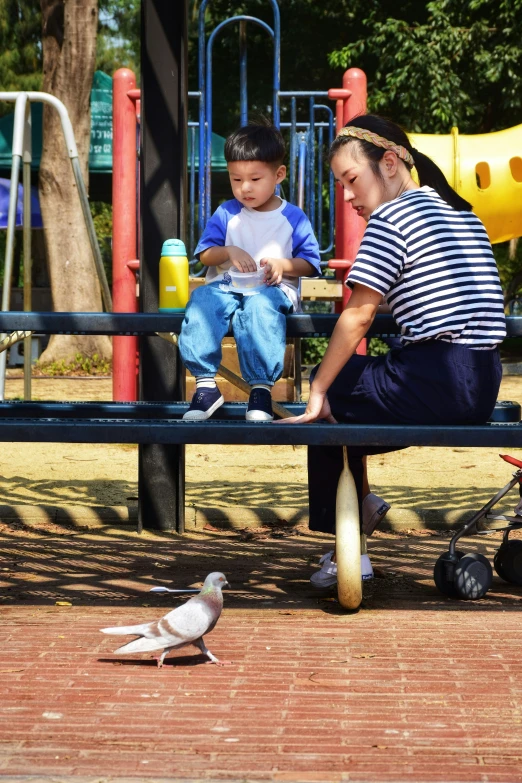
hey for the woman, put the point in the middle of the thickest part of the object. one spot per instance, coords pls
(429, 256)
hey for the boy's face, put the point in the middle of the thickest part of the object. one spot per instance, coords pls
(254, 182)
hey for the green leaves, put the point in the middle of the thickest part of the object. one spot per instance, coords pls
(454, 63)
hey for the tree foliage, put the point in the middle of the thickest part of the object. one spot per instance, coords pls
(454, 63)
(20, 48)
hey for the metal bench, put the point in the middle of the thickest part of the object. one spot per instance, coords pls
(161, 423)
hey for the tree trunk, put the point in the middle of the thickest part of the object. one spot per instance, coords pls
(69, 48)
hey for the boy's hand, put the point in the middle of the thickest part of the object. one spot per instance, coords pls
(274, 268)
(241, 259)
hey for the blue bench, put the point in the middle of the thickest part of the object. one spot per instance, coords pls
(161, 422)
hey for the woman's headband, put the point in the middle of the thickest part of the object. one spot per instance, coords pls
(379, 141)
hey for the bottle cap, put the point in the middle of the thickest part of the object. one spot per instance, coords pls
(173, 247)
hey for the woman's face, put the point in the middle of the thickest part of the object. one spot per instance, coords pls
(362, 188)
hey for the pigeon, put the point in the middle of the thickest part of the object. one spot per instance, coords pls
(184, 625)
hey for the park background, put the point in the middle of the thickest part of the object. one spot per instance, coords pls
(430, 66)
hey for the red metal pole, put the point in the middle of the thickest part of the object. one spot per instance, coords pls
(124, 232)
(349, 227)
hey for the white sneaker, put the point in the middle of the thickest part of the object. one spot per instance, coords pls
(327, 575)
(374, 509)
(366, 568)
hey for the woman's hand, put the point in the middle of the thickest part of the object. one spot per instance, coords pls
(318, 408)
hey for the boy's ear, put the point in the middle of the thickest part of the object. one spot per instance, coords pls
(280, 174)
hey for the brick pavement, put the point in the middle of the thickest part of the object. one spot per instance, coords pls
(414, 687)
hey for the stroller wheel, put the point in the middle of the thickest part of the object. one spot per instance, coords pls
(508, 562)
(444, 573)
(473, 577)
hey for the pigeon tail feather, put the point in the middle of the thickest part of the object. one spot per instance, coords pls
(142, 645)
(123, 630)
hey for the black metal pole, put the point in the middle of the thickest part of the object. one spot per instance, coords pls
(163, 202)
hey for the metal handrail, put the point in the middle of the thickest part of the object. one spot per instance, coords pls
(21, 148)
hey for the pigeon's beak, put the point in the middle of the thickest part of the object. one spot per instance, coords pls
(227, 584)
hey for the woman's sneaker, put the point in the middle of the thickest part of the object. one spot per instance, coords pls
(374, 509)
(327, 575)
(259, 406)
(204, 403)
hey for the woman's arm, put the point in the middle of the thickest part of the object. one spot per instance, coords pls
(349, 330)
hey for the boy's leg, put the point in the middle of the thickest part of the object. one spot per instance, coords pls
(206, 322)
(260, 331)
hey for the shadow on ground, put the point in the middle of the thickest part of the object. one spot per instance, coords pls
(266, 571)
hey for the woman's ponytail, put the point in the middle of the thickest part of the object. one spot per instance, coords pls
(430, 174)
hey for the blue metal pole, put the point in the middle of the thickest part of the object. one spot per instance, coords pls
(208, 97)
(301, 172)
(311, 165)
(202, 207)
(320, 186)
(293, 148)
(192, 190)
(277, 62)
(243, 95)
(331, 221)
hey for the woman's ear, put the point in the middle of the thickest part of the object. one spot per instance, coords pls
(389, 163)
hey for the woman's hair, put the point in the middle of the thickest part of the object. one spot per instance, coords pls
(428, 171)
(258, 140)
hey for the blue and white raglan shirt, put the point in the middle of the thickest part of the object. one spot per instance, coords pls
(284, 232)
(435, 267)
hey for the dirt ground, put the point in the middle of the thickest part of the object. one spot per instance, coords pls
(233, 486)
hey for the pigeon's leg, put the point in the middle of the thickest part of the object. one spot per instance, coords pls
(204, 649)
(161, 658)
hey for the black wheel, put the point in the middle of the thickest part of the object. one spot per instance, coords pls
(508, 562)
(444, 573)
(473, 577)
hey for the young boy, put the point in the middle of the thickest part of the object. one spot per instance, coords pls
(256, 230)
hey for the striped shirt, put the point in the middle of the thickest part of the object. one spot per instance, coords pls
(435, 268)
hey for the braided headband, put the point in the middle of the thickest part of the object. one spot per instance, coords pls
(379, 141)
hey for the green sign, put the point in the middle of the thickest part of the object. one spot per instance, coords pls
(100, 150)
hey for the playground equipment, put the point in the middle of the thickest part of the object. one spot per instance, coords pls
(486, 170)
(22, 151)
(469, 576)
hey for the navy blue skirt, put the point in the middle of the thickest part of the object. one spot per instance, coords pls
(430, 382)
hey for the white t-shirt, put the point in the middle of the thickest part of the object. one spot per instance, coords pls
(284, 232)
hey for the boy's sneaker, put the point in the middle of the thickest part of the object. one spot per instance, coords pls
(204, 403)
(327, 575)
(259, 406)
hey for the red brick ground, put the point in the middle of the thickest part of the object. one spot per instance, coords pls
(412, 688)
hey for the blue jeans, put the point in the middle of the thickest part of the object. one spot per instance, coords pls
(258, 324)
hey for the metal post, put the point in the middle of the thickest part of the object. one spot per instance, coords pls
(18, 135)
(243, 95)
(26, 223)
(124, 232)
(163, 198)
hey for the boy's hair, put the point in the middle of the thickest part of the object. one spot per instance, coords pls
(256, 141)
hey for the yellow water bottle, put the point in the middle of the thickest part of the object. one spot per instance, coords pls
(173, 277)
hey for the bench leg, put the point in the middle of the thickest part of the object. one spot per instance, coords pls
(348, 540)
